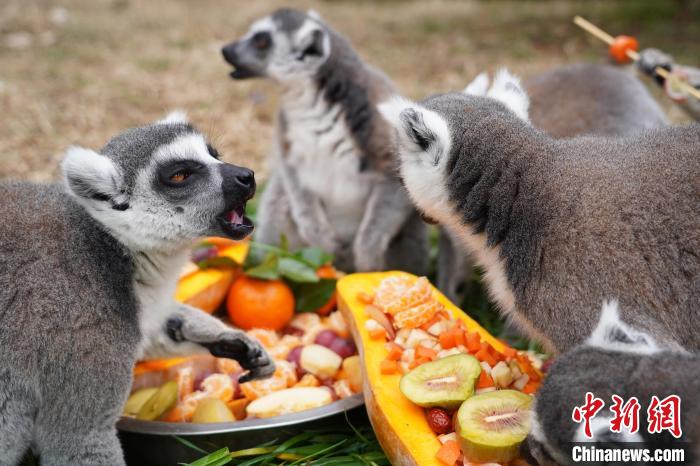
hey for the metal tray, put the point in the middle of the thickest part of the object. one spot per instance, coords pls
(152, 443)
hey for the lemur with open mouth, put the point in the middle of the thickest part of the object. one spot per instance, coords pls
(559, 225)
(333, 182)
(87, 277)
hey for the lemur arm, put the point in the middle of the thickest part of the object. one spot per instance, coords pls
(306, 209)
(649, 59)
(388, 209)
(185, 330)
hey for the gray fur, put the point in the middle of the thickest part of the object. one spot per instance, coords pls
(333, 182)
(569, 101)
(86, 283)
(605, 369)
(561, 225)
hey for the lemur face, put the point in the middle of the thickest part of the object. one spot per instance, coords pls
(432, 135)
(285, 46)
(161, 186)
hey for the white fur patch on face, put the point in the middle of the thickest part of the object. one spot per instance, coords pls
(422, 170)
(176, 116)
(86, 172)
(191, 146)
(304, 36)
(613, 334)
(265, 24)
(314, 15)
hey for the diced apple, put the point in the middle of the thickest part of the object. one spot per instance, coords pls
(415, 337)
(444, 353)
(515, 369)
(290, 400)
(320, 361)
(486, 367)
(521, 381)
(501, 375)
(408, 355)
(352, 367)
(446, 437)
(438, 327)
(342, 389)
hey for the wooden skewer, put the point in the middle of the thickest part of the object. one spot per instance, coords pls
(633, 55)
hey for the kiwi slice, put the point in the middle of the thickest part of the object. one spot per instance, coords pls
(160, 403)
(137, 400)
(446, 382)
(490, 427)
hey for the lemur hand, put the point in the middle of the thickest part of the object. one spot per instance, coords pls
(194, 326)
(316, 230)
(649, 59)
(369, 252)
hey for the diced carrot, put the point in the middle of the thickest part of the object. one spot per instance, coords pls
(459, 336)
(395, 351)
(527, 368)
(387, 367)
(449, 452)
(365, 298)
(497, 355)
(425, 352)
(485, 380)
(509, 352)
(531, 387)
(447, 339)
(417, 362)
(377, 333)
(485, 356)
(473, 341)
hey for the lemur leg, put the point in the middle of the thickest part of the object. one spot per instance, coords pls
(388, 209)
(410, 249)
(274, 217)
(186, 330)
(16, 418)
(454, 266)
(83, 448)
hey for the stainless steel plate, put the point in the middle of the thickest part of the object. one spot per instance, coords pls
(153, 443)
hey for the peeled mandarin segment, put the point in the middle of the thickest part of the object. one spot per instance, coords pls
(416, 316)
(284, 376)
(185, 382)
(218, 386)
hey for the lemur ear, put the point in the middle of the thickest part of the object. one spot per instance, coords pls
(313, 14)
(508, 90)
(420, 130)
(310, 42)
(174, 117)
(91, 176)
(613, 334)
(479, 86)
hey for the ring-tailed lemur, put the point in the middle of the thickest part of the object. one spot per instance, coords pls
(560, 224)
(87, 275)
(615, 360)
(568, 101)
(333, 182)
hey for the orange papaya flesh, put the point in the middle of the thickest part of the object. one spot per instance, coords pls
(401, 426)
(205, 289)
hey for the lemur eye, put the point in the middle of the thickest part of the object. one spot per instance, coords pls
(261, 40)
(179, 177)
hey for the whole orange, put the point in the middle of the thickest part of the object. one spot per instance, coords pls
(255, 303)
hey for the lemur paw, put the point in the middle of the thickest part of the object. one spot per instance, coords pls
(248, 352)
(368, 258)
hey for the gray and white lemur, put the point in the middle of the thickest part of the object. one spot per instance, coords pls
(573, 100)
(87, 275)
(333, 182)
(560, 224)
(615, 360)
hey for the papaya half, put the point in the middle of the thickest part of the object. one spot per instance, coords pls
(207, 288)
(400, 425)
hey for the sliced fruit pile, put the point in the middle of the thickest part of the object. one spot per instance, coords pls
(315, 357)
(474, 391)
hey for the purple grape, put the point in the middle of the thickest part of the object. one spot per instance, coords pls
(344, 348)
(326, 338)
(294, 355)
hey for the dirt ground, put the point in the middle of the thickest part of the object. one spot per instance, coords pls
(79, 71)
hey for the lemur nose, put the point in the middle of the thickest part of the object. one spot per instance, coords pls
(245, 178)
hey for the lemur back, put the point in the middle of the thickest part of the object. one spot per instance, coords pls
(559, 225)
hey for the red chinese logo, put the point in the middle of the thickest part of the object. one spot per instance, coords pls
(625, 414)
(587, 412)
(665, 415)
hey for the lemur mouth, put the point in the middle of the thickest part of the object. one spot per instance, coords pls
(235, 224)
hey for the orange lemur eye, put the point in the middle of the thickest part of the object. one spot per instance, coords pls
(179, 177)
